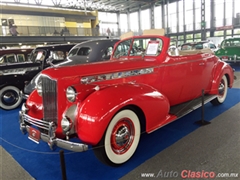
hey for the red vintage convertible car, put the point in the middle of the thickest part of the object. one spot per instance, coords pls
(108, 104)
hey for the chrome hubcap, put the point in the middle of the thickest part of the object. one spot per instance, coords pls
(10, 97)
(122, 136)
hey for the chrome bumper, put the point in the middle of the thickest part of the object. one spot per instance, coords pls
(24, 96)
(50, 138)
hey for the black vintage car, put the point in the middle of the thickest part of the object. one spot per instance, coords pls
(85, 52)
(9, 56)
(14, 75)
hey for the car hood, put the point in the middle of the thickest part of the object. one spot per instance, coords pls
(99, 68)
(228, 51)
(68, 62)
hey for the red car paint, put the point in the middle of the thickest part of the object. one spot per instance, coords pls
(173, 80)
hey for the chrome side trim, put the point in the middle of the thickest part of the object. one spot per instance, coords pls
(116, 75)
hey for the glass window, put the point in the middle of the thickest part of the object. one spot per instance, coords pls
(38, 55)
(73, 52)
(21, 57)
(212, 46)
(158, 16)
(236, 31)
(57, 55)
(231, 43)
(145, 16)
(2, 59)
(134, 22)
(218, 33)
(122, 49)
(139, 47)
(219, 13)
(84, 51)
(186, 47)
(198, 35)
(107, 53)
(123, 23)
(189, 36)
(11, 58)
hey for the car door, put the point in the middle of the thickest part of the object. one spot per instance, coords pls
(180, 79)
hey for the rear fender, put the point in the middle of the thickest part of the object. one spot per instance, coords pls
(221, 70)
(97, 110)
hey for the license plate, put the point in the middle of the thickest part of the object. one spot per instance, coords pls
(34, 135)
(224, 59)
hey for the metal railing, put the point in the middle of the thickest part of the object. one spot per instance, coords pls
(57, 31)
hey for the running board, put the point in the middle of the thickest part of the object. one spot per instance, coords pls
(189, 106)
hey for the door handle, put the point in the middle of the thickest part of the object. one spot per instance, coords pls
(201, 64)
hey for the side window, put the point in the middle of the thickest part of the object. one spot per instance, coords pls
(107, 53)
(122, 49)
(21, 58)
(84, 51)
(38, 56)
(2, 60)
(11, 58)
(212, 46)
(57, 55)
(73, 52)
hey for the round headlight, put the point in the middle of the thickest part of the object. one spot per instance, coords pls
(66, 124)
(71, 94)
(39, 88)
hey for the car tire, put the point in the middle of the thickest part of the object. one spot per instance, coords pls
(223, 88)
(115, 151)
(10, 97)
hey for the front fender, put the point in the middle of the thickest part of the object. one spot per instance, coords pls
(97, 110)
(221, 70)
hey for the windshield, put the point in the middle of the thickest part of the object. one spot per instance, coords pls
(231, 43)
(139, 47)
(195, 46)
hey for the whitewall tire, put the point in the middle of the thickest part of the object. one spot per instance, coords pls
(10, 97)
(121, 139)
(222, 91)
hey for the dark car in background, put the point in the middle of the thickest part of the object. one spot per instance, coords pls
(82, 53)
(9, 56)
(14, 75)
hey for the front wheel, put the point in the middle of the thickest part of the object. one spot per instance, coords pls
(222, 92)
(10, 97)
(120, 140)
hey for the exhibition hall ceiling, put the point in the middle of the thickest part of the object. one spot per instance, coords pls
(101, 5)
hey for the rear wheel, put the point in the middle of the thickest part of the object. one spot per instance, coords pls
(222, 92)
(120, 140)
(10, 97)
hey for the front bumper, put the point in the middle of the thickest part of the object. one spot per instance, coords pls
(26, 121)
(24, 96)
(231, 59)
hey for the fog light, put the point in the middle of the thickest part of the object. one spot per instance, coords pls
(71, 94)
(66, 124)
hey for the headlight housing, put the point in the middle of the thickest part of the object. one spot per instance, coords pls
(71, 94)
(66, 124)
(39, 87)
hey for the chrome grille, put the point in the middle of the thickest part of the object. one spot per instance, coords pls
(49, 95)
(36, 122)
